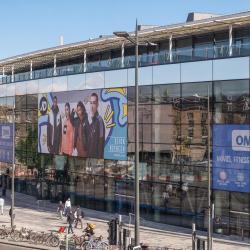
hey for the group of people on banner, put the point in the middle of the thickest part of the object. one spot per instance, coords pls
(75, 135)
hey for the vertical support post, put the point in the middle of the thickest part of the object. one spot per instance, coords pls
(170, 48)
(67, 239)
(3, 71)
(209, 234)
(137, 183)
(13, 167)
(12, 73)
(31, 69)
(85, 61)
(193, 237)
(230, 40)
(122, 55)
(54, 73)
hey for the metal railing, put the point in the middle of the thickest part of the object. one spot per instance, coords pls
(157, 58)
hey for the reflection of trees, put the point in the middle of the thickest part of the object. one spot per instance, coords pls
(30, 141)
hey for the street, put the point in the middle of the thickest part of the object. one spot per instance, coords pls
(9, 247)
(29, 214)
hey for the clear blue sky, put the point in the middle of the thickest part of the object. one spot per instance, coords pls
(28, 25)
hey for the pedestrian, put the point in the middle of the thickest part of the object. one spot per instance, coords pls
(67, 207)
(1, 204)
(70, 220)
(60, 209)
(78, 215)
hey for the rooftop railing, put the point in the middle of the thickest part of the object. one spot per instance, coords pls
(157, 58)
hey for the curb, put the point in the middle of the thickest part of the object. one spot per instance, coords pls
(24, 245)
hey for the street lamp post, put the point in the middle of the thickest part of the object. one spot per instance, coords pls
(137, 182)
(209, 227)
(13, 167)
(135, 41)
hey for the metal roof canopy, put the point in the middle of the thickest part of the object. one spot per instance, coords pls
(46, 56)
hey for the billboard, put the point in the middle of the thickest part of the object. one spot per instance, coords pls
(87, 123)
(231, 157)
(6, 142)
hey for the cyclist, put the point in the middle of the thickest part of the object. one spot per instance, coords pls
(89, 230)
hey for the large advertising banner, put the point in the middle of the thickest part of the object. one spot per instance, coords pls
(87, 123)
(231, 157)
(6, 142)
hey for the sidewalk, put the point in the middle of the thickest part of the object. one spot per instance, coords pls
(44, 218)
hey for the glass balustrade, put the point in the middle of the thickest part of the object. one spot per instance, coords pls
(152, 58)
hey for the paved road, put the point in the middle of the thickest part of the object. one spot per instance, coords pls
(9, 247)
(28, 213)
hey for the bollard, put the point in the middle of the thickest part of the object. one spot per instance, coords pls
(120, 231)
(67, 240)
(124, 240)
(194, 247)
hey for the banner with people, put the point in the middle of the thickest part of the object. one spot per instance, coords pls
(6, 142)
(87, 123)
(231, 157)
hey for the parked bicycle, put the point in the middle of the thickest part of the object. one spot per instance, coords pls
(5, 232)
(95, 242)
(24, 234)
(48, 239)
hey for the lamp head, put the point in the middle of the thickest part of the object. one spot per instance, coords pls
(123, 34)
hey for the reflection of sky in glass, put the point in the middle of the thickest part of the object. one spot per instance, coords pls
(45, 85)
(95, 80)
(32, 87)
(76, 82)
(10, 89)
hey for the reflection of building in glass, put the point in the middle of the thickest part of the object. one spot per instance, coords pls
(173, 121)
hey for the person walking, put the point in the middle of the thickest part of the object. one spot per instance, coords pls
(1, 205)
(70, 220)
(67, 207)
(60, 209)
(78, 215)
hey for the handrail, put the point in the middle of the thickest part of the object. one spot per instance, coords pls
(153, 58)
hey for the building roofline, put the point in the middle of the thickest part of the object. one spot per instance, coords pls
(111, 41)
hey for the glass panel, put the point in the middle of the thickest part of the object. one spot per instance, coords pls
(60, 83)
(166, 93)
(10, 89)
(3, 90)
(95, 80)
(232, 91)
(116, 78)
(76, 82)
(32, 87)
(45, 85)
(21, 88)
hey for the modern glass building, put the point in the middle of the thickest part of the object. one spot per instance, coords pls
(173, 113)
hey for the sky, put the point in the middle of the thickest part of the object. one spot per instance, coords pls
(29, 25)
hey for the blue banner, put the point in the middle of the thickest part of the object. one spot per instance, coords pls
(231, 157)
(6, 142)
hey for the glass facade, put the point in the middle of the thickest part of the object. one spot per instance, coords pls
(173, 130)
(173, 157)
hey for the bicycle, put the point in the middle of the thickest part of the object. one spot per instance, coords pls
(79, 240)
(49, 239)
(96, 243)
(24, 234)
(5, 232)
